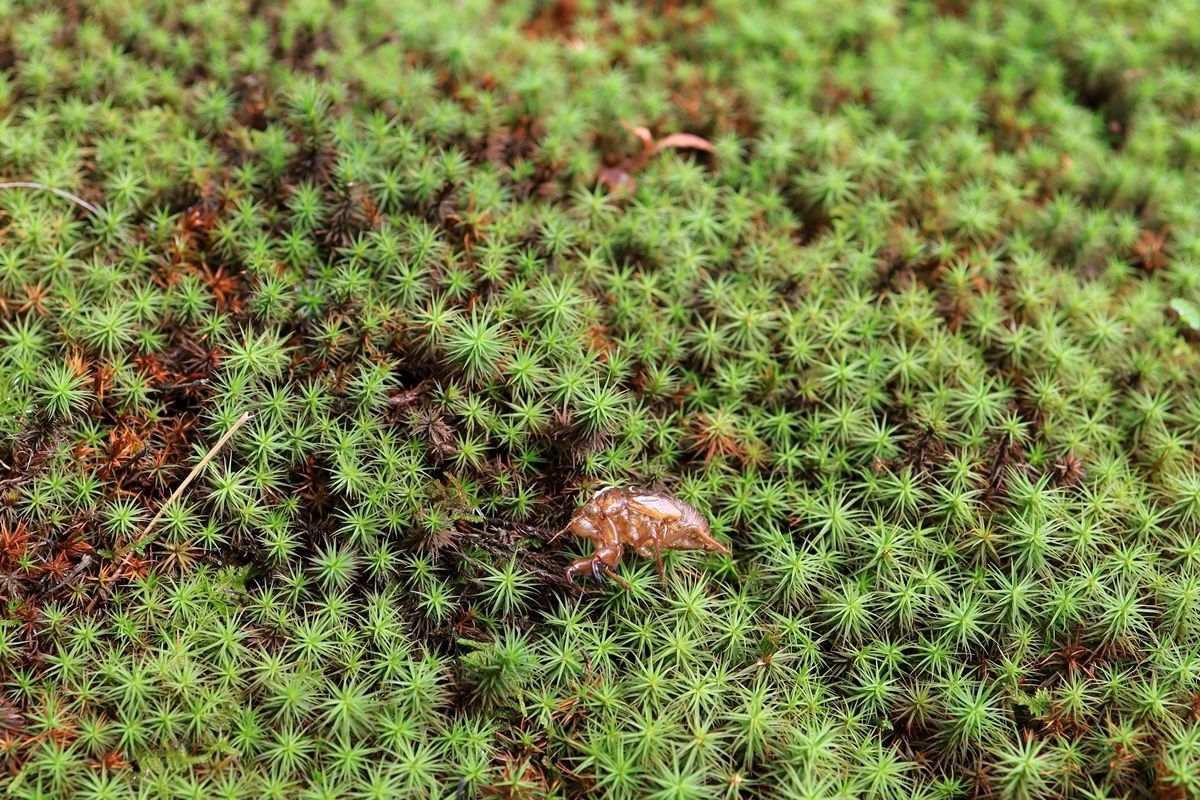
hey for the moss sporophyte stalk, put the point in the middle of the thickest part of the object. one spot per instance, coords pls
(320, 323)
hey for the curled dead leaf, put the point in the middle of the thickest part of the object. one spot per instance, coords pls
(683, 141)
(620, 178)
(617, 180)
(642, 133)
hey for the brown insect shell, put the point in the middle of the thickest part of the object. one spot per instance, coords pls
(600, 519)
(644, 521)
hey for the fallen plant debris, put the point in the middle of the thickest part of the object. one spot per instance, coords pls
(320, 321)
(620, 179)
(76, 199)
(140, 541)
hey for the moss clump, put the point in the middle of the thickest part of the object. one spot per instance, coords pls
(905, 325)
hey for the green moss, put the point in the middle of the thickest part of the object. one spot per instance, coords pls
(916, 336)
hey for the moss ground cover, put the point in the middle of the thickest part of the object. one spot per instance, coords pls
(910, 314)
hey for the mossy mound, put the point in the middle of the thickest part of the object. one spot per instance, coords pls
(903, 296)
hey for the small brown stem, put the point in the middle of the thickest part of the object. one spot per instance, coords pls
(196, 470)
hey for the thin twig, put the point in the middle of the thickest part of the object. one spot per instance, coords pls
(60, 192)
(72, 575)
(121, 551)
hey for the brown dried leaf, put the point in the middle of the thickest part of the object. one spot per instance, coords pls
(683, 141)
(641, 133)
(11, 720)
(617, 180)
(407, 397)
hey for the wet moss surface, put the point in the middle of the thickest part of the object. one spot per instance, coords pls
(903, 297)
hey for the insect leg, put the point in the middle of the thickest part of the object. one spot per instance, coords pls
(657, 534)
(583, 527)
(579, 566)
(607, 558)
(611, 570)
